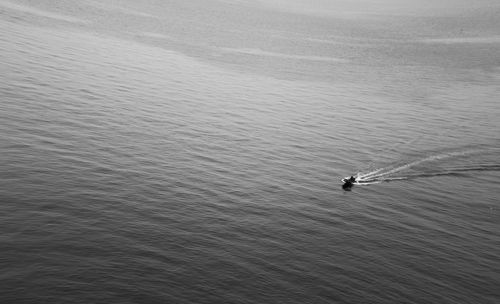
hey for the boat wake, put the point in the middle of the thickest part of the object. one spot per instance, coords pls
(455, 163)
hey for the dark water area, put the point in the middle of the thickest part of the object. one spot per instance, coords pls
(192, 152)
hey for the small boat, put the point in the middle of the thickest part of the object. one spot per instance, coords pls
(348, 183)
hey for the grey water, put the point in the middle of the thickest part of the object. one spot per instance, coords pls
(193, 151)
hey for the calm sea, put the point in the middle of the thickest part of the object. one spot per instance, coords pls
(192, 151)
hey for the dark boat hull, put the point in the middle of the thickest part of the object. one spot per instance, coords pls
(347, 185)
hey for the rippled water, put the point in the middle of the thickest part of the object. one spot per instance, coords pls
(183, 152)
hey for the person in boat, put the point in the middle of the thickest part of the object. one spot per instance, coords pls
(349, 183)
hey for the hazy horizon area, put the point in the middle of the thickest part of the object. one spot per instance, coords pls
(369, 7)
(238, 34)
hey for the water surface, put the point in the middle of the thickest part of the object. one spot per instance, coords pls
(191, 152)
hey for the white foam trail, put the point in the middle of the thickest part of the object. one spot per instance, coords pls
(376, 174)
(362, 176)
(369, 183)
(387, 174)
